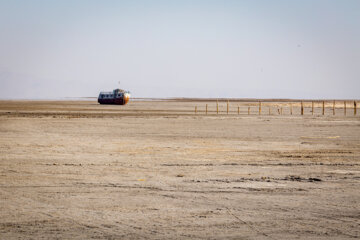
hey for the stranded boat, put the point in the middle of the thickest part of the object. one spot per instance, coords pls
(117, 96)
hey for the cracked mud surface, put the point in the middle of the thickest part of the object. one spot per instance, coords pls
(81, 170)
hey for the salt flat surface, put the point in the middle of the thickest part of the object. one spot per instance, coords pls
(155, 170)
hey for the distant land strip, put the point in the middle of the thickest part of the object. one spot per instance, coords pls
(239, 99)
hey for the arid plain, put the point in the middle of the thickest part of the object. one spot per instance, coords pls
(155, 170)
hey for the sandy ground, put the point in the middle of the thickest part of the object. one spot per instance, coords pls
(155, 170)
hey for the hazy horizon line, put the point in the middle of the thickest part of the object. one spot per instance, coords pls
(182, 99)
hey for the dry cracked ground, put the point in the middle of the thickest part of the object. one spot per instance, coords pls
(155, 170)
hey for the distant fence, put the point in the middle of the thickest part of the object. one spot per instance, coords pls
(283, 108)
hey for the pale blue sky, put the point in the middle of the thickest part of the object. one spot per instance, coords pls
(256, 49)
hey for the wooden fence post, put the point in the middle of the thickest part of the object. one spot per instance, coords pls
(312, 108)
(195, 109)
(354, 108)
(323, 108)
(227, 107)
(334, 107)
(206, 109)
(248, 110)
(345, 108)
(238, 110)
(217, 107)
(302, 108)
(259, 108)
(290, 108)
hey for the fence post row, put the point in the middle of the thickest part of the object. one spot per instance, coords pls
(280, 110)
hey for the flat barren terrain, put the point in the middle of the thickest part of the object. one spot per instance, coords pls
(157, 170)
